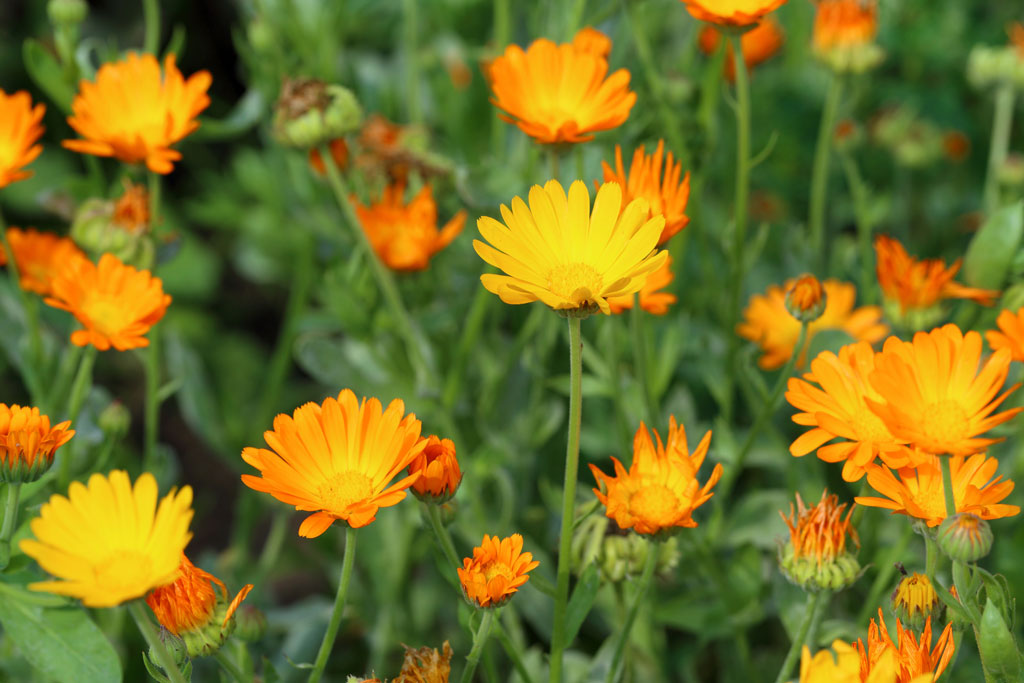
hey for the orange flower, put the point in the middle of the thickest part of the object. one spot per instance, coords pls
(135, 113)
(933, 395)
(28, 442)
(819, 532)
(842, 664)
(758, 44)
(439, 471)
(558, 93)
(1010, 335)
(731, 12)
(39, 256)
(915, 657)
(337, 459)
(805, 300)
(769, 324)
(498, 568)
(589, 39)
(844, 23)
(19, 130)
(189, 603)
(116, 303)
(339, 153)
(837, 408)
(919, 284)
(660, 491)
(405, 236)
(918, 492)
(131, 210)
(666, 196)
(652, 299)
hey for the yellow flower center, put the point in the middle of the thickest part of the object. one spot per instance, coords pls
(124, 571)
(655, 503)
(869, 427)
(578, 282)
(107, 316)
(345, 489)
(945, 422)
(493, 569)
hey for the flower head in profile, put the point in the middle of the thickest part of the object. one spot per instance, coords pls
(916, 660)
(439, 471)
(337, 460)
(666, 194)
(131, 210)
(558, 251)
(768, 323)
(115, 303)
(39, 257)
(915, 600)
(758, 44)
(844, 35)
(496, 571)
(817, 557)
(560, 93)
(20, 128)
(660, 490)
(732, 12)
(652, 297)
(405, 236)
(842, 664)
(933, 394)
(123, 543)
(28, 442)
(1010, 334)
(135, 113)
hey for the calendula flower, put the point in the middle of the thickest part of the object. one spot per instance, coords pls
(405, 236)
(805, 300)
(917, 661)
(731, 12)
(19, 131)
(770, 325)
(844, 23)
(843, 665)
(652, 299)
(914, 601)
(28, 442)
(816, 556)
(1010, 334)
(116, 303)
(666, 194)
(497, 570)
(560, 252)
(109, 542)
(758, 44)
(660, 491)
(559, 93)
(438, 469)
(39, 256)
(919, 492)
(933, 395)
(337, 460)
(136, 113)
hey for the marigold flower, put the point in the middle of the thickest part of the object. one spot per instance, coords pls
(660, 491)
(1010, 334)
(39, 256)
(915, 600)
(844, 23)
(439, 471)
(934, 397)
(919, 491)
(758, 44)
(426, 665)
(559, 252)
(19, 131)
(497, 570)
(135, 113)
(816, 556)
(769, 324)
(116, 303)
(405, 236)
(559, 93)
(843, 665)
(28, 442)
(652, 299)
(666, 195)
(337, 459)
(915, 656)
(123, 544)
(731, 12)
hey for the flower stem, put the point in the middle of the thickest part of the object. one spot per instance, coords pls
(229, 666)
(502, 32)
(1000, 141)
(513, 653)
(650, 564)
(164, 659)
(339, 606)
(13, 493)
(151, 16)
(819, 172)
(960, 571)
(553, 160)
(639, 340)
(30, 369)
(152, 410)
(470, 333)
(859, 194)
(441, 535)
(801, 636)
(412, 77)
(572, 463)
(79, 390)
(947, 486)
(479, 640)
(931, 557)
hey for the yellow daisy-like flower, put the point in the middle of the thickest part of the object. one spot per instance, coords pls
(108, 541)
(28, 443)
(666, 194)
(731, 12)
(660, 491)
(337, 460)
(652, 298)
(558, 251)
(135, 113)
(19, 131)
(39, 257)
(496, 571)
(843, 665)
(1010, 334)
(933, 395)
(189, 602)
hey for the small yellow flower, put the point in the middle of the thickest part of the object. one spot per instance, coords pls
(914, 600)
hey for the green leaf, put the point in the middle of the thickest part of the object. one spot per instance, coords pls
(992, 250)
(42, 66)
(999, 653)
(582, 600)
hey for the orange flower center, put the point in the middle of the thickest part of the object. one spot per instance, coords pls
(495, 568)
(945, 422)
(345, 489)
(124, 570)
(654, 503)
(572, 279)
(108, 316)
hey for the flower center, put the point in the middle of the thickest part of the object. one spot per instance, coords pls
(868, 427)
(655, 503)
(106, 315)
(578, 282)
(123, 572)
(495, 568)
(944, 423)
(344, 489)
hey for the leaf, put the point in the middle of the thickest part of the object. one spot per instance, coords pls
(582, 600)
(999, 654)
(993, 249)
(42, 66)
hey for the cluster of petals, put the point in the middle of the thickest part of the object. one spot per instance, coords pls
(26, 436)
(758, 44)
(842, 664)
(20, 128)
(915, 656)
(1010, 334)
(438, 468)
(496, 571)
(820, 531)
(665, 193)
(731, 12)
(844, 23)
(653, 298)
(39, 256)
(920, 283)
(188, 603)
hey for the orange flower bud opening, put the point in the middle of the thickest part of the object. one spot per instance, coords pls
(439, 471)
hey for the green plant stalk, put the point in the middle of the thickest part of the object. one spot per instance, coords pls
(646, 577)
(513, 653)
(30, 371)
(69, 362)
(859, 194)
(275, 541)
(931, 557)
(467, 341)
(152, 409)
(412, 75)
(575, 16)
(79, 390)
(502, 32)
(151, 16)
(479, 640)
(883, 580)
(339, 607)
(801, 636)
(229, 667)
(819, 172)
(553, 160)
(819, 613)
(1002, 122)
(959, 568)
(639, 341)
(572, 464)
(138, 611)
(13, 494)
(444, 540)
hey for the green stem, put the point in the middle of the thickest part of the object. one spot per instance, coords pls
(69, 361)
(339, 607)
(931, 557)
(479, 640)
(229, 666)
(819, 613)
(960, 572)
(152, 410)
(947, 486)
(79, 390)
(502, 33)
(467, 341)
(801, 637)
(412, 77)
(1000, 141)
(883, 580)
(151, 15)
(819, 173)
(862, 215)
(650, 564)
(13, 492)
(513, 653)
(441, 535)
(553, 160)
(572, 463)
(575, 16)
(31, 367)
(156, 645)
(275, 541)
(639, 341)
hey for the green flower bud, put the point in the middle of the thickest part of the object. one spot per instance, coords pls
(67, 12)
(250, 623)
(914, 600)
(115, 419)
(965, 537)
(174, 645)
(856, 59)
(311, 113)
(119, 227)
(816, 556)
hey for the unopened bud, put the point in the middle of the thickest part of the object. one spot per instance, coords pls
(914, 600)
(311, 113)
(250, 623)
(965, 537)
(115, 419)
(806, 299)
(67, 12)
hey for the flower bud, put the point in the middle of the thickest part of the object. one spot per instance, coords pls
(174, 645)
(853, 59)
(439, 471)
(118, 227)
(816, 557)
(115, 419)
(914, 600)
(965, 537)
(67, 12)
(250, 623)
(311, 113)
(806, 299)
(618, 556)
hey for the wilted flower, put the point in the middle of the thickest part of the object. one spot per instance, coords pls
(19, 131)
(666, 194)
(28, 443)
(310, 113)
(497, 570)
(816, 557)
(426, 665)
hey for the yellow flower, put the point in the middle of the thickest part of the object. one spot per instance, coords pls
(135, 113)
(731, 12)
(497, 570)
(844, 666)
(39, 257)
(666, 195)
(914, 600)
(337, 459)
(19, 131)
(438, 469)
(559, 252)
(1010, 334)
(110, 542)
(652, 299)
(28, 442)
